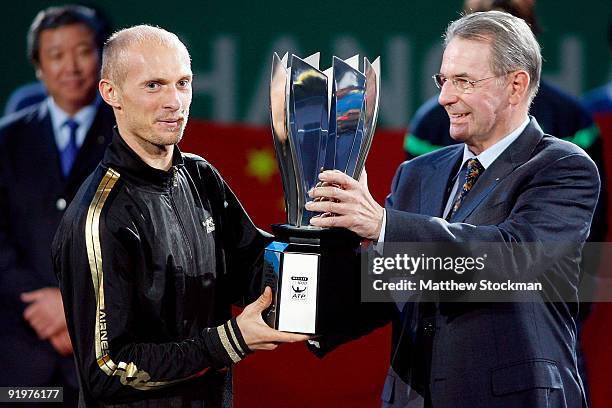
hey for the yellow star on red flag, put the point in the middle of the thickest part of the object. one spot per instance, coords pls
(261, 164)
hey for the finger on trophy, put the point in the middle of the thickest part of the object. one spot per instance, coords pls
(322, 184)
(319, 184)
(328, 184)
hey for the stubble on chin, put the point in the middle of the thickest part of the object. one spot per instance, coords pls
(168, 139)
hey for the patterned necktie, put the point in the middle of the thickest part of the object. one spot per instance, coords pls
(70, 151)
(473, 171)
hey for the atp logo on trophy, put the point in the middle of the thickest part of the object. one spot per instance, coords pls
(299, 287)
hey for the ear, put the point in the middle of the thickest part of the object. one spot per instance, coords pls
(519, 82)
(38, 72)
(110, 93)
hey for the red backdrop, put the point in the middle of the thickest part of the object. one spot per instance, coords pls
(353, 375)
(597, 331)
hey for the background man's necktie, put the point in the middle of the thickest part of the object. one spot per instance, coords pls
(473, 171)
(70, 151)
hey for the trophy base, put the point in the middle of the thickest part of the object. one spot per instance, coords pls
(314, 276)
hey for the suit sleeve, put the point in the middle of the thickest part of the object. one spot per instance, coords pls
(554, 206)
(98, 270)
(575, 124)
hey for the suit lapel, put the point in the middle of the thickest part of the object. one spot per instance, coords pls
(45, 155)
(516, 154)
(435, 183)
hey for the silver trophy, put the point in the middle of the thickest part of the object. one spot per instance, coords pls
(320, 120)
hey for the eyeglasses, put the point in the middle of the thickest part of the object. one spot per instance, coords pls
(461, 84)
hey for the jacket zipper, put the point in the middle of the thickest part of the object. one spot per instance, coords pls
(176, 213)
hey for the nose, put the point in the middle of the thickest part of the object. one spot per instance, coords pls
(172, 100)
(72, 62)
(448, 94)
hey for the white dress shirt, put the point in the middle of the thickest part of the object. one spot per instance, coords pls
(84, 117)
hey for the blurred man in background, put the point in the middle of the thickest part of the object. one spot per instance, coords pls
(46, 151)
(34, 92)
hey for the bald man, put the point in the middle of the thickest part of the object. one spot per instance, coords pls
(155, 248)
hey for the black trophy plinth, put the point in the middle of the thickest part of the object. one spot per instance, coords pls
(314, 276)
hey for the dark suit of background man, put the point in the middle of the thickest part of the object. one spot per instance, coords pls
(46, 151)
(523, 186)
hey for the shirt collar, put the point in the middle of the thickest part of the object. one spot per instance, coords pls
(488, 156)
(84, 117)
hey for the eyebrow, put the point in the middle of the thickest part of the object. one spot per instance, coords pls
(160, 80)
(459, 75)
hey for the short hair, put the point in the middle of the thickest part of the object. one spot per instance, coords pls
(513, 45)
(56, 17)
(113, 54)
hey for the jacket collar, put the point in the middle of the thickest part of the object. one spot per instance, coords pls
(122, 158)
(436, 184)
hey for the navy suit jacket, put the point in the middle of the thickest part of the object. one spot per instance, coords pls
(33, 195)
(540, 189)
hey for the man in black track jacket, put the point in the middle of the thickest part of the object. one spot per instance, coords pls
(155, 248)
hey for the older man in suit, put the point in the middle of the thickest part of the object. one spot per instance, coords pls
(46, 151)
(507, 182)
